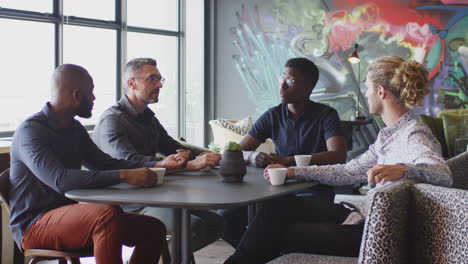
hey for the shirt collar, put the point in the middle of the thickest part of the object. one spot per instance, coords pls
(407, 117)
(51, 117)
(307, 109)
(125, 103)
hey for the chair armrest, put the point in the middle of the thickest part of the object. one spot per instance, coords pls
(459, 167)
(385, 237)
(439, 224)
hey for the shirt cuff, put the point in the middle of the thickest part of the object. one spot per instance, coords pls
(305, 173)
(253, 156)
(107, 178)
(149, 164)
(410, 172)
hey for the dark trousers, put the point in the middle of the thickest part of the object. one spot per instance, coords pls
(297, 224)
(104, 227)
(236, 218)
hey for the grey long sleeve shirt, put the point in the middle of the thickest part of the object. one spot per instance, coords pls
(46, 162)
(125, 134)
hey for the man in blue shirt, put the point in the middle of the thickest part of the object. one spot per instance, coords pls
(47, 152)
(297, 126)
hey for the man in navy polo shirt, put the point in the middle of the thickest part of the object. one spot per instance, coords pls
(297, 126)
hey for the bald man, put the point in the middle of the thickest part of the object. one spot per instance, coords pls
(47, 153)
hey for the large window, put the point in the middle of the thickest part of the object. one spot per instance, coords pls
(100, 9)
(102, 36)
(141, 13)
(194, 111)
(164, 49)
(25, 70)
(94, 49)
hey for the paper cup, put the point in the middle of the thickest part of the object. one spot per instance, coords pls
(277, 175)
(302, 160)
(160, 172)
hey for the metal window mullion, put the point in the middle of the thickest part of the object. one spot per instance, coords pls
(58, 13)
(210, 77)
(153, 31)
(121, 19)
(182, 70)
(27, 15)
(85, 22)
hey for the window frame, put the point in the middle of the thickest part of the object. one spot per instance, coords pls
(120, 25)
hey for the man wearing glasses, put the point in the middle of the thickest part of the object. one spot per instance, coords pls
(297, 126)
(130, 130)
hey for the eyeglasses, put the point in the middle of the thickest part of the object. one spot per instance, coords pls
(289, 81)
(152, 78)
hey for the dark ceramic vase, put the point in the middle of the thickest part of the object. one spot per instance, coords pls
(232, 167)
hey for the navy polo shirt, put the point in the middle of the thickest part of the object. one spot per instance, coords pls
(307, 135)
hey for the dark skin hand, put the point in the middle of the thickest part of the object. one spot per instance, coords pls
(336, 153)
(263, 159)
(277, 159)
(139, 177)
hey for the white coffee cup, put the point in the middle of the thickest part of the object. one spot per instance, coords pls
(302, 160)
(160, 172)
(277, 175)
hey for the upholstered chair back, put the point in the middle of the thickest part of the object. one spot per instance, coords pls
(439, 225)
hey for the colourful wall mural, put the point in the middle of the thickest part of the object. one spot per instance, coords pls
(434, 33)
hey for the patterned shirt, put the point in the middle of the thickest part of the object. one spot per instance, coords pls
(407, 142)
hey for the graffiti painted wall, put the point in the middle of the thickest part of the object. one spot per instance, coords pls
(266, 33)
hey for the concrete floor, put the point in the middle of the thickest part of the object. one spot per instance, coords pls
(215, 253)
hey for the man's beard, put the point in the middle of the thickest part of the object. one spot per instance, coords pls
(85, 109)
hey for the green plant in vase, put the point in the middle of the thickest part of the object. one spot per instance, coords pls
(232, 167)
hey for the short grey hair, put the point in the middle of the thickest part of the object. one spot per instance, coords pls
(134, 66)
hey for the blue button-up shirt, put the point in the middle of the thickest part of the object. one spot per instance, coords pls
(306, 135)
(46, 162)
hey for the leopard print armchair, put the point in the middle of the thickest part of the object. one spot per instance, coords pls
(408, 223)
(385, 235)
(439, 225)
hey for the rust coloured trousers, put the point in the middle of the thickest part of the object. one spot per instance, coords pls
(104, 227)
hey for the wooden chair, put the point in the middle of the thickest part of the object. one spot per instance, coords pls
(41, 254)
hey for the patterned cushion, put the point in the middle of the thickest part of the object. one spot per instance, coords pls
(385, 236)
(459, 167)
(241, 127)
(225, 130)
(439, 225)
(299, 258)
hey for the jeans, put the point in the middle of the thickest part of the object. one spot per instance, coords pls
(236, 218)
(104, 227)
(297, 224)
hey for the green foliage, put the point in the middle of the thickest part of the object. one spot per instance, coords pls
(232, 146)
(214, 147)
